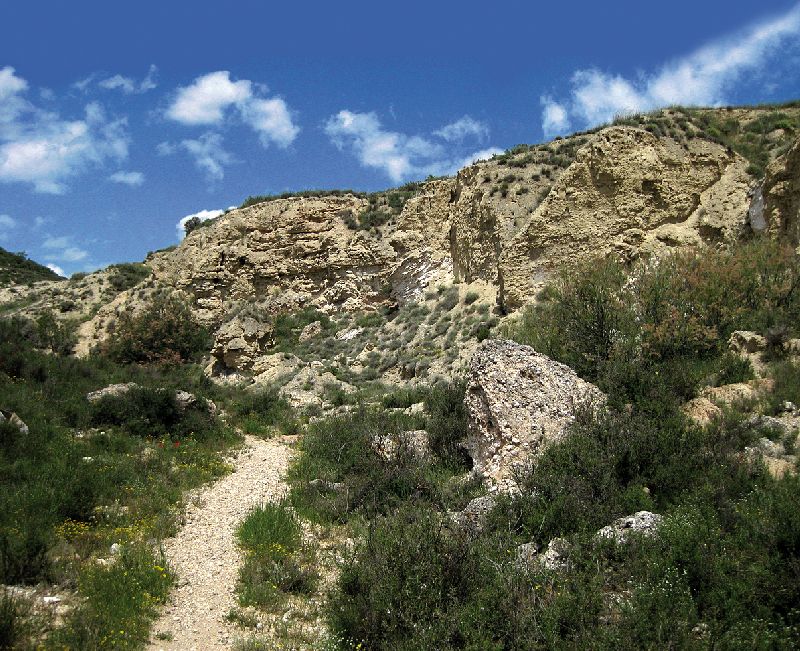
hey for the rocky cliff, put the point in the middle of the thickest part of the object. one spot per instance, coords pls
(640, 187)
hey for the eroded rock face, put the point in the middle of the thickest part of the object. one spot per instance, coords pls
(238, 343)
(778, 199)
(298, 247)
(519, 401)
(627, 192)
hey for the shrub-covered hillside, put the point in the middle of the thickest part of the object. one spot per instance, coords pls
(18, 269)
(721, 571)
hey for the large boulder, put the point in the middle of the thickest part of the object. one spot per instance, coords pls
(519, 402)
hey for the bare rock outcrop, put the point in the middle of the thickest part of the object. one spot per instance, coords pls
(628, 192)
(643, 523)
(238, 343)
(776, 204)
(519, 401)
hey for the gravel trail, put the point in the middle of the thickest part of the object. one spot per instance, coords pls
(204, 553)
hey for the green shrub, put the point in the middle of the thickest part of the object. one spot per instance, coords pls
(119, 602)
(127, 275)
(447, 425)
(339, 451)
(266, 408)
(165, 332)
(471, 297)
(272, 540)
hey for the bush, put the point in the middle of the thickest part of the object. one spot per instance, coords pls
(338, 451)
(120, 601)
(271, 537)
(153, 413)
(662, 334)
(266, 408)
(127, 275)
(165, 332)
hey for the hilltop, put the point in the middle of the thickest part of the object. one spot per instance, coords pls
(18, 269)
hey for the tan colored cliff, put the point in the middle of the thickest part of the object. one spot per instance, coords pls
(643, 187)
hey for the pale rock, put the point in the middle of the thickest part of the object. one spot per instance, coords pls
(644, 523)
(113, 390)
(779, 196)
(513, 392)
(239, 342)
(310, 331)
(473, 517)
(12, 419)
(416, 442)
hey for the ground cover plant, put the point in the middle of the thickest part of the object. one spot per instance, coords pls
(88, 475)
(277, 562)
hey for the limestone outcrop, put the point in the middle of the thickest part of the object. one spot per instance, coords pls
(507, 223)
(519, 402)
(776, 204)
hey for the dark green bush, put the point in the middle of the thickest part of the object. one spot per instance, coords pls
(165, 332)
(127, 275)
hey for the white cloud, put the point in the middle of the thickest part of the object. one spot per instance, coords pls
(56, 269)
(483, 154)
(133, 179)
(701, 78)
(130, 86)
(207, 151)
(208, 99)
(63, 249)
(202, 215)
(398, 155)
(464, 128)
(7, 222)
(272, 120)
(554, 116)
(40, 148)
(205, 101)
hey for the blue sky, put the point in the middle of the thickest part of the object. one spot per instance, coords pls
(118, 119)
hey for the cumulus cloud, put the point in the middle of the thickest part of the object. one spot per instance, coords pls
(704, 77)
(133, 179)
(398, 155)
(62, 249)
(205, 101)
(41, 148)
(56, 269)
(202, 215)
(272, 120)
(6, 224)
(554, 116)
(127, 85)
(211, 98)
(207, 151)
(464, 128)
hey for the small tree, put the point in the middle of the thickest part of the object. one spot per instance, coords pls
(191, 224)
(165, 332)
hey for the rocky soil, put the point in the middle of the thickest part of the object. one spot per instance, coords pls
(204, 553)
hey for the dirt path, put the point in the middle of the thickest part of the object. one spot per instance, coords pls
(204, 552)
